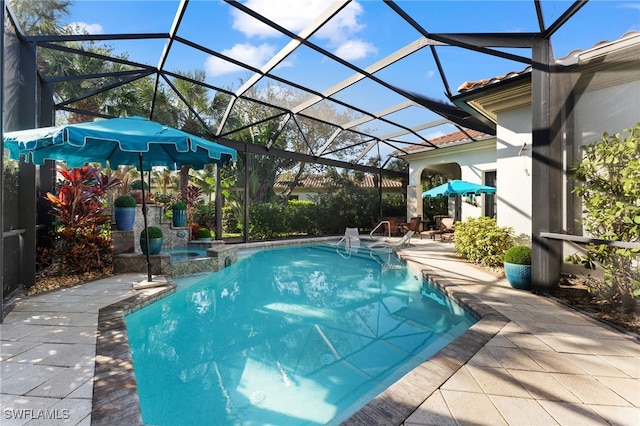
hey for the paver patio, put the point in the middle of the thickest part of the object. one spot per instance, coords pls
(543, 363)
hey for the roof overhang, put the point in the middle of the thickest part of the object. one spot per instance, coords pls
(489, 142)
(489, 100)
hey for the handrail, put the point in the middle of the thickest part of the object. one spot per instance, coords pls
(378, 226)
(13, 233)
(588, 240)
(347, 245)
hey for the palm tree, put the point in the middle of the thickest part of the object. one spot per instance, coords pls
(197, 96)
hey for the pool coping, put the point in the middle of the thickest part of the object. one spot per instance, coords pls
(115, 393)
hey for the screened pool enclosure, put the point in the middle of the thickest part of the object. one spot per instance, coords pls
(310, 91)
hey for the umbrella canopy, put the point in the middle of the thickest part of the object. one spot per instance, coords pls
(116, 142)
(458, 187)
(127, 141)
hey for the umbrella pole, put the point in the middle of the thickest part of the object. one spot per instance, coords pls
(144, 216)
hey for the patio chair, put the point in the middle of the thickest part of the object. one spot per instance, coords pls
(392, 227)
(446, 226)
(448, 237)
(402, 242)
(413, 225)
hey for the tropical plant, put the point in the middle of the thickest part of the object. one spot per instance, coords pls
(481, 240)
(608, 177)
(82, 242)
(79, 201)
(518, 255)
(164, 179)
(204, 215)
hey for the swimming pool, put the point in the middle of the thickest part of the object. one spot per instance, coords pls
(296, 335)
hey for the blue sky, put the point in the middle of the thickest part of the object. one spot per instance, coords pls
(364, 32)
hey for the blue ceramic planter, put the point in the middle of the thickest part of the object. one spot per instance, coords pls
(125, 217)
(155, 245)
(519, 276)
(179, 218)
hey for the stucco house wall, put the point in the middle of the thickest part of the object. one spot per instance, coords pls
(602, 91)
(468, 161)
(513, 152)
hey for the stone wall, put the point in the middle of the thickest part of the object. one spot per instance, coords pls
(129, 241)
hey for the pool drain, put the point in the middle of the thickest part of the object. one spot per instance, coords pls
(327, 358)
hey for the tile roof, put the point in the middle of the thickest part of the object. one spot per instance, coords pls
(454, 138)
(472, 85)
(318, 181)
(570, 59)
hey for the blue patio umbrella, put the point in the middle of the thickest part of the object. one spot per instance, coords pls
(116, 142)
(458, 187)
(127, 141)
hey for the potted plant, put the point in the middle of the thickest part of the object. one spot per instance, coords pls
(124, 210)
(179, 209)
(517, 267)
(204, 234)
(155, 240)
(136, 191)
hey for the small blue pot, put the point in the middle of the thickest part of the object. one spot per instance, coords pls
(179, 218)
(155, 245)
(125, 217)
(519, 276)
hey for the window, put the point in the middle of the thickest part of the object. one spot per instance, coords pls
(490, 179)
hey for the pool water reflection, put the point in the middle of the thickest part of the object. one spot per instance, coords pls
(286, 336)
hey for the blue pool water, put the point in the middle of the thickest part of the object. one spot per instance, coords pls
(286, 336)
(182, 254)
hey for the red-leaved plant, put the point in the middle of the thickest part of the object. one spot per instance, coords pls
(83, 242)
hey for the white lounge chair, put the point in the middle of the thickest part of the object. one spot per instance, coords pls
(351, 238)
(402, 242)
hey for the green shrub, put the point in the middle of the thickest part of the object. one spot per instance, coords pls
(204, 233)
(267, 220)
(137, 184)
(80, 251)
(203, 214)
(179, 205)
(519, 255)
(301, 217)
(607, 182)
(154, 232)
(124, 201)
(481, 240)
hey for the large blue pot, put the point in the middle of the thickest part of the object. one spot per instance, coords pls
(155, 245)
(519, 276)
(179, 218)
(125, 217)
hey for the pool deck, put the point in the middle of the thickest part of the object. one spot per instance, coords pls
(529, 361)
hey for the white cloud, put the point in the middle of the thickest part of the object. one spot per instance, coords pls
(245, 52)
(430, 73)
(295, 15)
(630, 6)
(355, 49)
(84, 28)
(343, 26)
